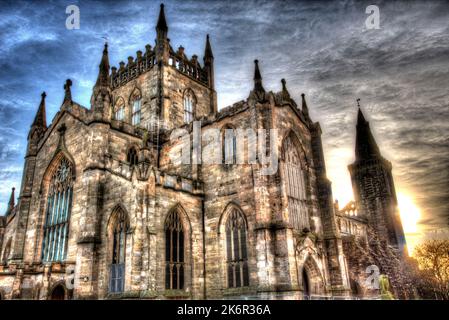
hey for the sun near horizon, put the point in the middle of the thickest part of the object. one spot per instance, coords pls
(410, 215)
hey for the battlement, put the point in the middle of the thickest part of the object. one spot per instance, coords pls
(145, 62)
(190, 68)
(134, 68)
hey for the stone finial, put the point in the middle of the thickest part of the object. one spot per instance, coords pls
(147, 49)
(304, 107)
(285, 93)
(181, 51)
(68, 91)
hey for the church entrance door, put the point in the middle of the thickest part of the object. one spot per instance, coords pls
(58, 293)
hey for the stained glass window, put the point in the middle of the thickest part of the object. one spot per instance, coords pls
(174, 252)
(117, 275)
(295, 185)
(236, 250)
(59, 203)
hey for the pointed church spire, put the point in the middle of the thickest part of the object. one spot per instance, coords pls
(11, 202)
(162, 22)
(209, 63)
(304, 107)
(68, 91)
(103, 74)
(40, 118)
(365, 144)
(257, 78)
(208, 51)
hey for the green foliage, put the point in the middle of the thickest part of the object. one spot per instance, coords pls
(384, 286)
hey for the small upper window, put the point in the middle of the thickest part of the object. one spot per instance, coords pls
(189, 103)
(120, 110)
(132, 157)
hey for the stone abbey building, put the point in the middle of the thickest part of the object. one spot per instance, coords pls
(104, 212)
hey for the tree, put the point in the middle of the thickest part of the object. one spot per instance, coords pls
(433, 259)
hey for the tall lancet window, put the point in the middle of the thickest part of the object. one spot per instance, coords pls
(236, 250)
(294, 176)
(59, 204)
(174, 252)
(119, 229)
(189, 105)
(229, 146)
(137, 110)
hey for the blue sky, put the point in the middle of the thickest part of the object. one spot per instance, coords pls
(401, 73)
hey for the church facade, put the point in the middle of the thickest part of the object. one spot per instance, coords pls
(104, 211)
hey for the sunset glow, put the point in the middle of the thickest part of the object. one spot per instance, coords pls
(410, 215)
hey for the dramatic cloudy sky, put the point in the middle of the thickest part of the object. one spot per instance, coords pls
(401, 73)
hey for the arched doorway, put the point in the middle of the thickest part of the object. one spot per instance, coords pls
(312, 282)
(305, 285)
(58, 293)
(356, 289)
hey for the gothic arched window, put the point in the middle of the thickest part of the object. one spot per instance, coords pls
(131, 157)
(236, 250)
(119, 113)
(189, 105)
(59, 204)
(294, 177)
(229, 146)
(118, 233)
(174, 252)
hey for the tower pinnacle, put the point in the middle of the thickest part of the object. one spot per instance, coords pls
(103, 74)
(162, 22)
(208, 51)
(365, 145)
(257, 78)
(40, 118)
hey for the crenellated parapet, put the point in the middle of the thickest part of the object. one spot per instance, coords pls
(145, 62)
(190, 68)
(134, 68)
